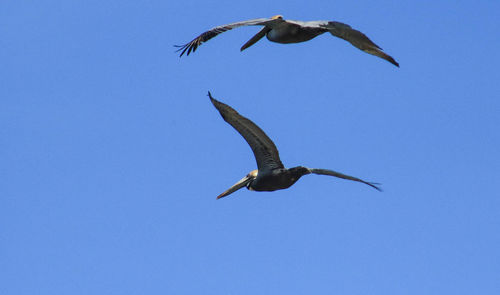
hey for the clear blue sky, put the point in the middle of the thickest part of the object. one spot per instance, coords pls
(112, 155)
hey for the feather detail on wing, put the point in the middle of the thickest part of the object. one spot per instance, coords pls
(357, 39)
(204, 37)
(265, 152)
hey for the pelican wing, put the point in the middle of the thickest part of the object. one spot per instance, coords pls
(265, 152)
(340, 175)
(204, 37)
(356, 38)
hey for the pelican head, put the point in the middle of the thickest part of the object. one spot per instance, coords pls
(279, 16)
(252, 175)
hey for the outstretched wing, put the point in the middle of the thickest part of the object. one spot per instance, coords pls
(340, 175)
(193, 45)
(356, 38)
(265, 152)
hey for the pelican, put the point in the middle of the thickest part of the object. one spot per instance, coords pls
(271, 175)
(276, 29)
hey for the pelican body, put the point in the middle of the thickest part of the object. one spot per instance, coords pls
(271, 174)
(278, 30)
(286, 33)
(276, 179)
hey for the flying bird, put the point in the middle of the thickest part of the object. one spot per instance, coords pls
(279, 30)
(271, 175)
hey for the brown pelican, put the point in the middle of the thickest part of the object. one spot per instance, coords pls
(276, 29)
(271, 175)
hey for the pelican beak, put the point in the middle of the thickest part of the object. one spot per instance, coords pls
(243, 182)
(256, 38)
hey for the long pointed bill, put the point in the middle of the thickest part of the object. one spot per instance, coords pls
(256, 38)
(243, 182)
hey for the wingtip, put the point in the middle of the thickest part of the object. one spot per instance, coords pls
(180, 48)
(392, 61)
(375, 186)
(210, 96)
(214, 101)
(383, 55)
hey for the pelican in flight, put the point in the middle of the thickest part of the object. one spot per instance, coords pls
(276, 29)
(271, 175)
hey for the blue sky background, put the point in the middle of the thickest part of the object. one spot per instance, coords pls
(112, 155)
